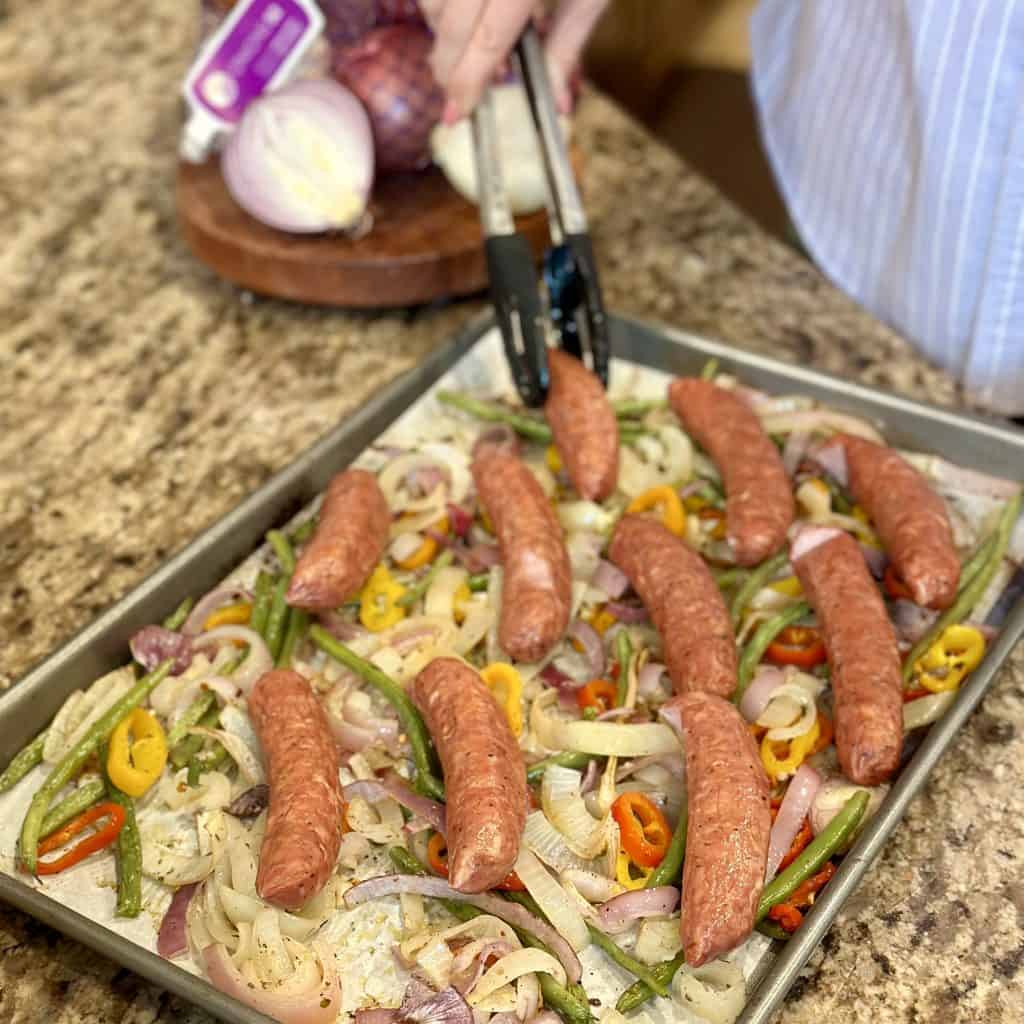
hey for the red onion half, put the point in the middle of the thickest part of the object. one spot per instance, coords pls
(171, 940)
(796, 805)
(153, 644)
(389, 70)
(302, 159)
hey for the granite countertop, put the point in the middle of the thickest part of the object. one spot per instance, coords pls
(142, 398)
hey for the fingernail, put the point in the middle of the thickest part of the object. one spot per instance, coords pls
(451, 112)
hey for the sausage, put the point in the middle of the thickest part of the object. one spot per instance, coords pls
(350, 539)
(583, 425)
(536, 595)
(910, 518)
(729, 826)
(759, 506)
(683, 601)
(484, 774)
(304, 822)
(867, 686)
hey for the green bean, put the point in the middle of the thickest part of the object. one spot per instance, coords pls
(23, 762)
(571, 1008)
(79, 799)
(189, 717)
(72, 762)
(840, 503)
(668, 871)
(304, 531)
(283, 550)
(263, 594)
(184, 750)
(829, 841)
(298, 623)
(773, 931)
(491, 412)
(726, 578)
(480, 581)
(177, 618)
(625, 961)
(629, 432)
(567, 759)
(636, 407)
(709, 369)
(128, 855)
(639, 992)
(418, 589)
(412, 723)
(972, 589)
(276, 619)
(754, 582)
(209, 761)
(623, 655)
(762, 637)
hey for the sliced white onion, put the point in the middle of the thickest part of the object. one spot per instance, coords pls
(759, 692)
(796, 696)
(926, 710)
(585, 515)
(173, 868)
(610, 578)
(562, 800)
(794, 450)
(820, 421)
(512, 966)
(440, 597)
(590, 641)
(657, 940)
(249, 764)
(716, 991)
(553, 900)
(832, 797)
(257, 662)
(549, 844)
(796, 805)
(650, 678)
(592, 886)
(584, 549)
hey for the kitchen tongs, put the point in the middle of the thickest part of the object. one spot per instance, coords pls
(573, 300)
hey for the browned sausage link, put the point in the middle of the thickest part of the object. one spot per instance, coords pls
(583, 425)
(304, 823)
(910, 518)
(685, 605)
(349, 541)
(862, 653)
(484, 774)
(728, 830)
(536, 595)
(759, 505)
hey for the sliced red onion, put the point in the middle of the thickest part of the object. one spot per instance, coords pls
(501, 436)
(832, 458)
(796, 805)
(673, 762)
(755, 697)
(171, 940)
(424, 480)
(590, 778)
(416, 992)
(256, 664)
(350, 738)
(590, 641)
(378, 1015)
(250, 804)
(631, 614)
(438, 888)
(317, 1004)
(612, 714)
(610, 578)
(545, 1017)
(469, 968)
(972, 481)
(391, 785)
(339, 627)
(807, 538)
(459, 519)
(794, 450)
(447, 1007)
(876, 560)
(910, 620)
(557, 679)
(622, 911)
(477, 558)
(209, 603)
(152, 645)
(648, 683)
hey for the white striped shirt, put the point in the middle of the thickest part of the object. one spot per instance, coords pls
(896, 131)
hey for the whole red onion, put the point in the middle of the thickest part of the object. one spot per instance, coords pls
(347, 21)
(388, 69)
(395, 12)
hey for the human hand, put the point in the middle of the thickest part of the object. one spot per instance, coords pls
(475, 37)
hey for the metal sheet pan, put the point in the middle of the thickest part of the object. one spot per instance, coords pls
(29, 706)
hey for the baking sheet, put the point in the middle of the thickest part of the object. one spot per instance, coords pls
(472, 362)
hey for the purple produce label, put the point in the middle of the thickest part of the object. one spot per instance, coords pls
(238, 71)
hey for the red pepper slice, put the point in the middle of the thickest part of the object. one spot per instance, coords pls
(598, 694)
(825, 734)
(789, 914)
(714, 515)
(437, 856)
(894, 586)
(643, 830)
(909, 695)
(93, 843)
(797, 645)
(802, 838)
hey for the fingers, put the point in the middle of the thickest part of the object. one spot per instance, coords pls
(454, 26)
(574, 21)
(493, 35)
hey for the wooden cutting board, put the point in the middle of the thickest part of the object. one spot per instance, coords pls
(425, 244)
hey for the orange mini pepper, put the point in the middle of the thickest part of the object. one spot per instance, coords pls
(643, 830)
(598, 694)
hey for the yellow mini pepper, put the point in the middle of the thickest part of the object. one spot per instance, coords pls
(790, 587)
(506, 685)
(462, 596)
(957, 651)
(630, 874)
(553, 459)
(669, 504)
(601, 619)
(137, 753)
(378, 604)
(230, 615)
(798, 748)
(427, 551)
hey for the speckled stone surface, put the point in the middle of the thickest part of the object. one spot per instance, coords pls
(141, 398)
